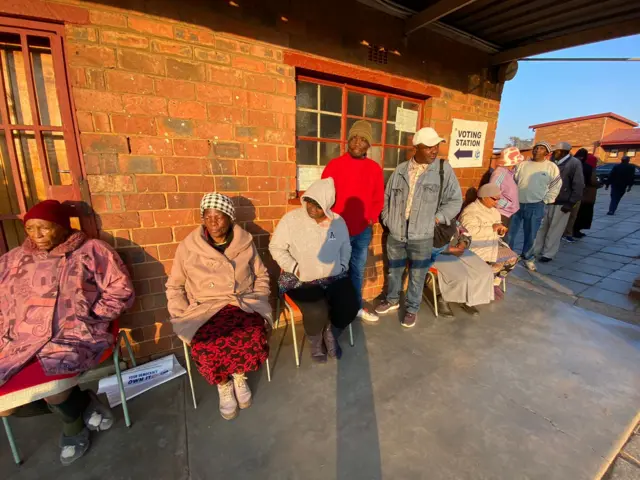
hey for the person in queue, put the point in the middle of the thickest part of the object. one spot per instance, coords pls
(539, 183)
(59, 291)
(591, 185)
(620, 180)
(411, 212)
(359, 184)
(312, 247)
(218, 299)
(482, 220)
(502, 176)
(568, 236)
(557, 214)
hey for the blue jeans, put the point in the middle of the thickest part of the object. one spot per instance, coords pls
(616, 196)
(421, 256)
(530, 217)
(359, 250)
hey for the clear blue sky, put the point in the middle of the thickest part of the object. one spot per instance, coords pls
(547, 91)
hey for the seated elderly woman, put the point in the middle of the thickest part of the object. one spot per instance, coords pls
(483, 222)
(58, 293)
(218, 299)
(311, 244)
(463, 277)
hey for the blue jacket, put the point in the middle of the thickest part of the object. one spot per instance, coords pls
(424, 210)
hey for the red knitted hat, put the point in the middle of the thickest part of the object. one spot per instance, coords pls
(51, 211)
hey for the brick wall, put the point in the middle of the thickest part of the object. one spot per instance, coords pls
(169, 110)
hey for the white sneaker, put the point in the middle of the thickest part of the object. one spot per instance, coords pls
(497, 281)
(530, 265)
(228, 404)
(367, 316)
(243, 394)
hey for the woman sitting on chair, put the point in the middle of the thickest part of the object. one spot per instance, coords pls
(311, 244)
(59, 292)
(218, 299)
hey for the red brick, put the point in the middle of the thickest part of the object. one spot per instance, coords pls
(81, 34)
(123, 39)
(90, 100)
(99, 203)
(141, 164)
(77, 76)
(91, 55)
(215, 131)
(248, 63)
(231, 184)
(150, 146)
(146, 219)
(266, 52)
(263, 184)
(232, 45)
(225, 76)
(95, 79)
(223, 167)
(259, 101)
(283, 104)
(249, 134)
(224, 114)
(144, 105)
(167, 252)
(228, 150)
(261, 83)
(101, 122)
(280, 137)
(214, 94)
(137, 125)
(252, 168)
(179, 165)
(282, 169)
(158, 29)
(261, 119)
(194, 35)
(240, 98)
(196, 184)
(191, 148)
(85, 121)
(171, 48)
(150, 236)
(141, 62)
(180, 233)
(259, 227)
(155, 183)
(212, 56)
(145, 201)
(175, 127)
(127, 82)
(110, 183)
(271, 213)
(187, 109)
(184, 200)
(150, 302)
(119, 220)
(254, 199)
(98, 143)
(262, 152)
(116, 202)
(278, 198)
(278, 69)
(110, 19)
(174, 218)
(166, 87)
(185, 70)
(286, 86)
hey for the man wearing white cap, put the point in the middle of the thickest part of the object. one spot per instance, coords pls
(557, 215)
(420, 194)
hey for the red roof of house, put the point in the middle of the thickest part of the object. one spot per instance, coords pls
(589, 117)
(624, 136)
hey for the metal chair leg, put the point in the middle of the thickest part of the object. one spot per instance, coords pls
(123, 397)
(435, 294)
(504, 284)
(129, 349)
(187, 360)
(12, 442)
(351, 335)
(293, 333)
(268, 370)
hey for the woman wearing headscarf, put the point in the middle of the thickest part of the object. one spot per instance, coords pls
(503, 177)
(59, 291)
(591, 186)
(311, 244)
(218, 299)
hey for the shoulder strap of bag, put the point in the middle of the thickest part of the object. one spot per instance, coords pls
(441, 180)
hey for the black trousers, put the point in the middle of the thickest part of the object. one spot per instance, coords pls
(338, 303)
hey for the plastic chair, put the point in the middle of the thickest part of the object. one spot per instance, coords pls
(114, 353)
(290, 305)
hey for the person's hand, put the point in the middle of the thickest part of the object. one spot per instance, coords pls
(437, 221)
(566, 208)
(502, 231)
(457, 250)
(497, 226)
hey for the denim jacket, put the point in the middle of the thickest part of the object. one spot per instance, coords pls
(424, 210)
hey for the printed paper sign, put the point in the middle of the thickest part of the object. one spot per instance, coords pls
(307, 174)
(406, 120)
(466, 146)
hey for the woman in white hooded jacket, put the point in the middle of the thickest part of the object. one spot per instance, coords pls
(312, 247)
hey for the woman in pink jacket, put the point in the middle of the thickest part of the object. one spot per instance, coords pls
(59, 292)
(503, 177)
(218, 299)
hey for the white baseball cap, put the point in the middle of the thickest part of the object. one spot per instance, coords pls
(427, 136)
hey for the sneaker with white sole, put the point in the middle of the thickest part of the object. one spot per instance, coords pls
(367, 316)
(228, 403)
(530, 265)
(386, 307)
(241, 387)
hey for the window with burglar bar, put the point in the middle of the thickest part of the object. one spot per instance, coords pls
(38, 146)
(325, 111)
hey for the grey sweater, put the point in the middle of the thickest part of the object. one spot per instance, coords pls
(572, 182)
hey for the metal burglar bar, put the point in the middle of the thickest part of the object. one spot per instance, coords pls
(39, 155)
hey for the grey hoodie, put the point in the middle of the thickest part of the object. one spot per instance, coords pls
(313, 250)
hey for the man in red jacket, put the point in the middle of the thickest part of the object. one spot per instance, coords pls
(359, 184)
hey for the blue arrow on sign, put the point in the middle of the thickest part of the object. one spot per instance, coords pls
(463, 154)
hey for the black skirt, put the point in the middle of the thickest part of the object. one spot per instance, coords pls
(584, 218)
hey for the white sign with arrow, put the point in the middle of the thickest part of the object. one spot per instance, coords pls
(467, 143)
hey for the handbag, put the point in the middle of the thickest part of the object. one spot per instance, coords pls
(442, 233)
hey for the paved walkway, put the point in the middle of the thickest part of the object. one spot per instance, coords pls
(597, 271)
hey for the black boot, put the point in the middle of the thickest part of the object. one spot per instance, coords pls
(318, 352)
(331, 335)
(443, 308)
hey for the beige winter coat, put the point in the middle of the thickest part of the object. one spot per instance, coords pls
(203, 281)
(479, 221)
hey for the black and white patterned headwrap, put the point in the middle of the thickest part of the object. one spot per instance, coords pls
(219, 202)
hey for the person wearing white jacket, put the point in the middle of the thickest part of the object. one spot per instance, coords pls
(312, 247)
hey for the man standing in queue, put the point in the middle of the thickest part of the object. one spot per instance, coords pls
(411, 212)
(359, 185)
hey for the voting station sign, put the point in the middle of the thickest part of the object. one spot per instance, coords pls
(467, 143)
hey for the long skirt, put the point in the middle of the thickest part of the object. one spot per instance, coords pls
(584, 218)
(232, 341)
(466, 279)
